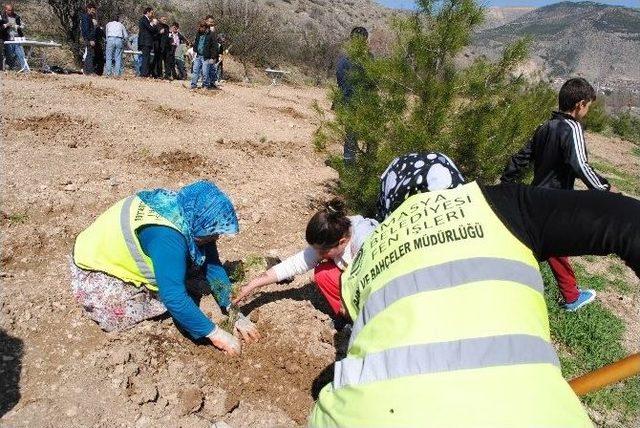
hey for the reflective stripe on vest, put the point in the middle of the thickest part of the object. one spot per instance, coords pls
(463, 354)
(131, 241)
(110, 243)
(446, 275)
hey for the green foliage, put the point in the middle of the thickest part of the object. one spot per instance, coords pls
(598, 119)
(18, 218)
(624, 181)
(627, 126)
(419, 99)
(613, 279)
(587, 340)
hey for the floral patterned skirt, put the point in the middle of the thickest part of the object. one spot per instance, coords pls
(115, 305)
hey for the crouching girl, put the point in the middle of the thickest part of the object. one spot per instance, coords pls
(334, 239)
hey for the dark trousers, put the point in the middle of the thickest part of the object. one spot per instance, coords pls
(169, 62)
(2, 57)
(89, 59)
(146, 61)
(156, 64)
(181, 73)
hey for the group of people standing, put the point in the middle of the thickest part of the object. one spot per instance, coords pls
(163, 50)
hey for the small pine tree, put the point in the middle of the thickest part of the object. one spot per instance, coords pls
(419, 98)
(597, 120)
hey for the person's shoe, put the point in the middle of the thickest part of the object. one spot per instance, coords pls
(584, 298)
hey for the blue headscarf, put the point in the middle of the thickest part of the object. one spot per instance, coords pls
(197, 210)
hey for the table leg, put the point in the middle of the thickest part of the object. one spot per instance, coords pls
(26, 61)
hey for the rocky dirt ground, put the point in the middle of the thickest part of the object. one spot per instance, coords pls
(71, 147)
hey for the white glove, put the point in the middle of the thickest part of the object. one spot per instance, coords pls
(224, 341)
(244, 328)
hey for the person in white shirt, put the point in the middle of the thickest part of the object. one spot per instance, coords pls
(334, 240)
(117, 36)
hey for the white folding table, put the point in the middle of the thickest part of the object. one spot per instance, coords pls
(275, 75)
(30, 44)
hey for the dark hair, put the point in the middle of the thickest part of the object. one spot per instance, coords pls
(573, 91)
(209, 17)
(360, 32)
(147, 10)
(329, 225)
(175, 24)
(202, 26)
(91, 6)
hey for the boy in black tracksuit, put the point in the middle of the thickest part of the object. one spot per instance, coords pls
(559, 155)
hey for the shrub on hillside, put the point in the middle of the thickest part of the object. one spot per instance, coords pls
(598, 119)
(418, 99)
(627, 126)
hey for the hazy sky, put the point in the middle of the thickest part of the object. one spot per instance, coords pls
(409, 3)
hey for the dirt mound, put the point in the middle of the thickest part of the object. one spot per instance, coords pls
(88, 88)
(179, 162)
(291, 112)
(173, 113)
(54, 128)
(267, 148)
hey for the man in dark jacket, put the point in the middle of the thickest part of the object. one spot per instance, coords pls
(206, 48)
(161, 50)
(559, 155)
(175, 39)
(349, 75)
(146, 32)
(88, 31)
(11, 28)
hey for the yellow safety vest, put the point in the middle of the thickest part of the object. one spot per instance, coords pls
(110, 244)
(450, 326)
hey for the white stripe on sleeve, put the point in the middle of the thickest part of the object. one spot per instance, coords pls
(579, 146)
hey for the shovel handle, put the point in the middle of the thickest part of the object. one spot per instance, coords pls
(606, 375)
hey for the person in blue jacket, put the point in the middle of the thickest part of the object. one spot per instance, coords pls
(176, 232)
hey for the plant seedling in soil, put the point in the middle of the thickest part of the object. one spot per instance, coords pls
(232, 316)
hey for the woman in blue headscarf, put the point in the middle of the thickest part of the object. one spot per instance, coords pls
(132, 262)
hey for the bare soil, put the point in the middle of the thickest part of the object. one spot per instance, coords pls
(72, 146)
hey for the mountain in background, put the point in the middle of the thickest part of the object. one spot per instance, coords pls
(497, 16)
(597, 41)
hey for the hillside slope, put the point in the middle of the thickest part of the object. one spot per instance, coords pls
(328, 16)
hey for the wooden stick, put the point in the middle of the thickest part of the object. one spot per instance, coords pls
(606, 375)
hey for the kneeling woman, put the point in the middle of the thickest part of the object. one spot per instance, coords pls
(131, 264)
(334, 240)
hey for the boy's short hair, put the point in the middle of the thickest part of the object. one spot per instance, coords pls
(147, 10)
(360, 32)
(175, 24)
(91, 6)
(573, 91)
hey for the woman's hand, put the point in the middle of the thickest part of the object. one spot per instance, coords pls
(225, 342)
(245, 329)
(269, 277)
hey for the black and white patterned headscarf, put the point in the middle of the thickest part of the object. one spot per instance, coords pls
(415, 173)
